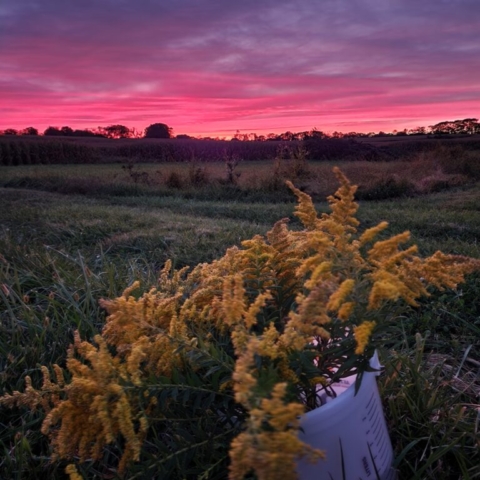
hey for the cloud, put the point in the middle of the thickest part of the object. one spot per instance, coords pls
(217, 64)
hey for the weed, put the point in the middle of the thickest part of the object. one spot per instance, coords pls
(198, 175)
(385, 188)
(231, 163)
(137, 175)
(174, 180)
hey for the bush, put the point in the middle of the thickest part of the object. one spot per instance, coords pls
(385, 188)
(198, 175)
(174, 180)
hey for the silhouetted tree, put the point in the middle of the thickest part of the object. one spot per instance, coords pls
(10, 131)
(158, 130)
(29, 131)
(471, 125)
(52, 131)
(84, 133)
(418, 131)
(134, 133)
(443, 128)
(273, 137)
(115, 131)
(66, 131)
(467, 126)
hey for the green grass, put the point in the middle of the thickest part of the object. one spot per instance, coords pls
(59, 254)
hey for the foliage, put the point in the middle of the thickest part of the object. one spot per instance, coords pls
(223, 355)
(467, 126)
(158, 130)
(29, 131)
(291, 163)
(387, 187)
(115, 131)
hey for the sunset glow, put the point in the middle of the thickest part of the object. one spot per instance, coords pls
(208, 67)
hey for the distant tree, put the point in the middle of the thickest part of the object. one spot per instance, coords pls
(471, 125)
(302, 135)
(183, 136)
(115, 131)
(241, 137)
(418, 131)
(10, 131)
(84, 133)
(134, 133)
(315, 134)
(52, 131)
(273, 137)
(451, 127)
(158, 130)
(29, 131)
(66, 131)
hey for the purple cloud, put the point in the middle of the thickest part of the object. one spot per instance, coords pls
(206, 66)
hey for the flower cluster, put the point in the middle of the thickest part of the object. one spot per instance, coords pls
(301, 310)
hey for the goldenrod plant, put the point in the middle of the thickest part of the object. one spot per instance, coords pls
(212, 369)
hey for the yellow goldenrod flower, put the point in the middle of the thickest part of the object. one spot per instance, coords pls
(72, 472)
(345, 310)
(382, 250)
(305, 209)
(126, 293)
(338, 297)
(369, 234)
(271, 453)
(250, 316)
(362, 335)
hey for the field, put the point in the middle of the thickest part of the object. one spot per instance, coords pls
(71, 234)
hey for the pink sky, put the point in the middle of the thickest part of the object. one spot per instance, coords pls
(211, 67)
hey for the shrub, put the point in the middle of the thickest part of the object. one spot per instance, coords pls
(174, 180)
(440, 181)
(291, 163)
(197, 175)
(385, 188)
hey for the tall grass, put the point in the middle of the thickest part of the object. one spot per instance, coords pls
(435, 170)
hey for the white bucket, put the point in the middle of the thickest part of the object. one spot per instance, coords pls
(352, 432)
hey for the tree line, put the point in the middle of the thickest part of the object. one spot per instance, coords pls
(156, 130)
(467, 126)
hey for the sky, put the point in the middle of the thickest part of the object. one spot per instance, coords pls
(212, 67)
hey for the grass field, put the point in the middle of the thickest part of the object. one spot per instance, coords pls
(72, 234)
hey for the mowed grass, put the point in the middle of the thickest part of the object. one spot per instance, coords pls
(60, 253)
(96, 226)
